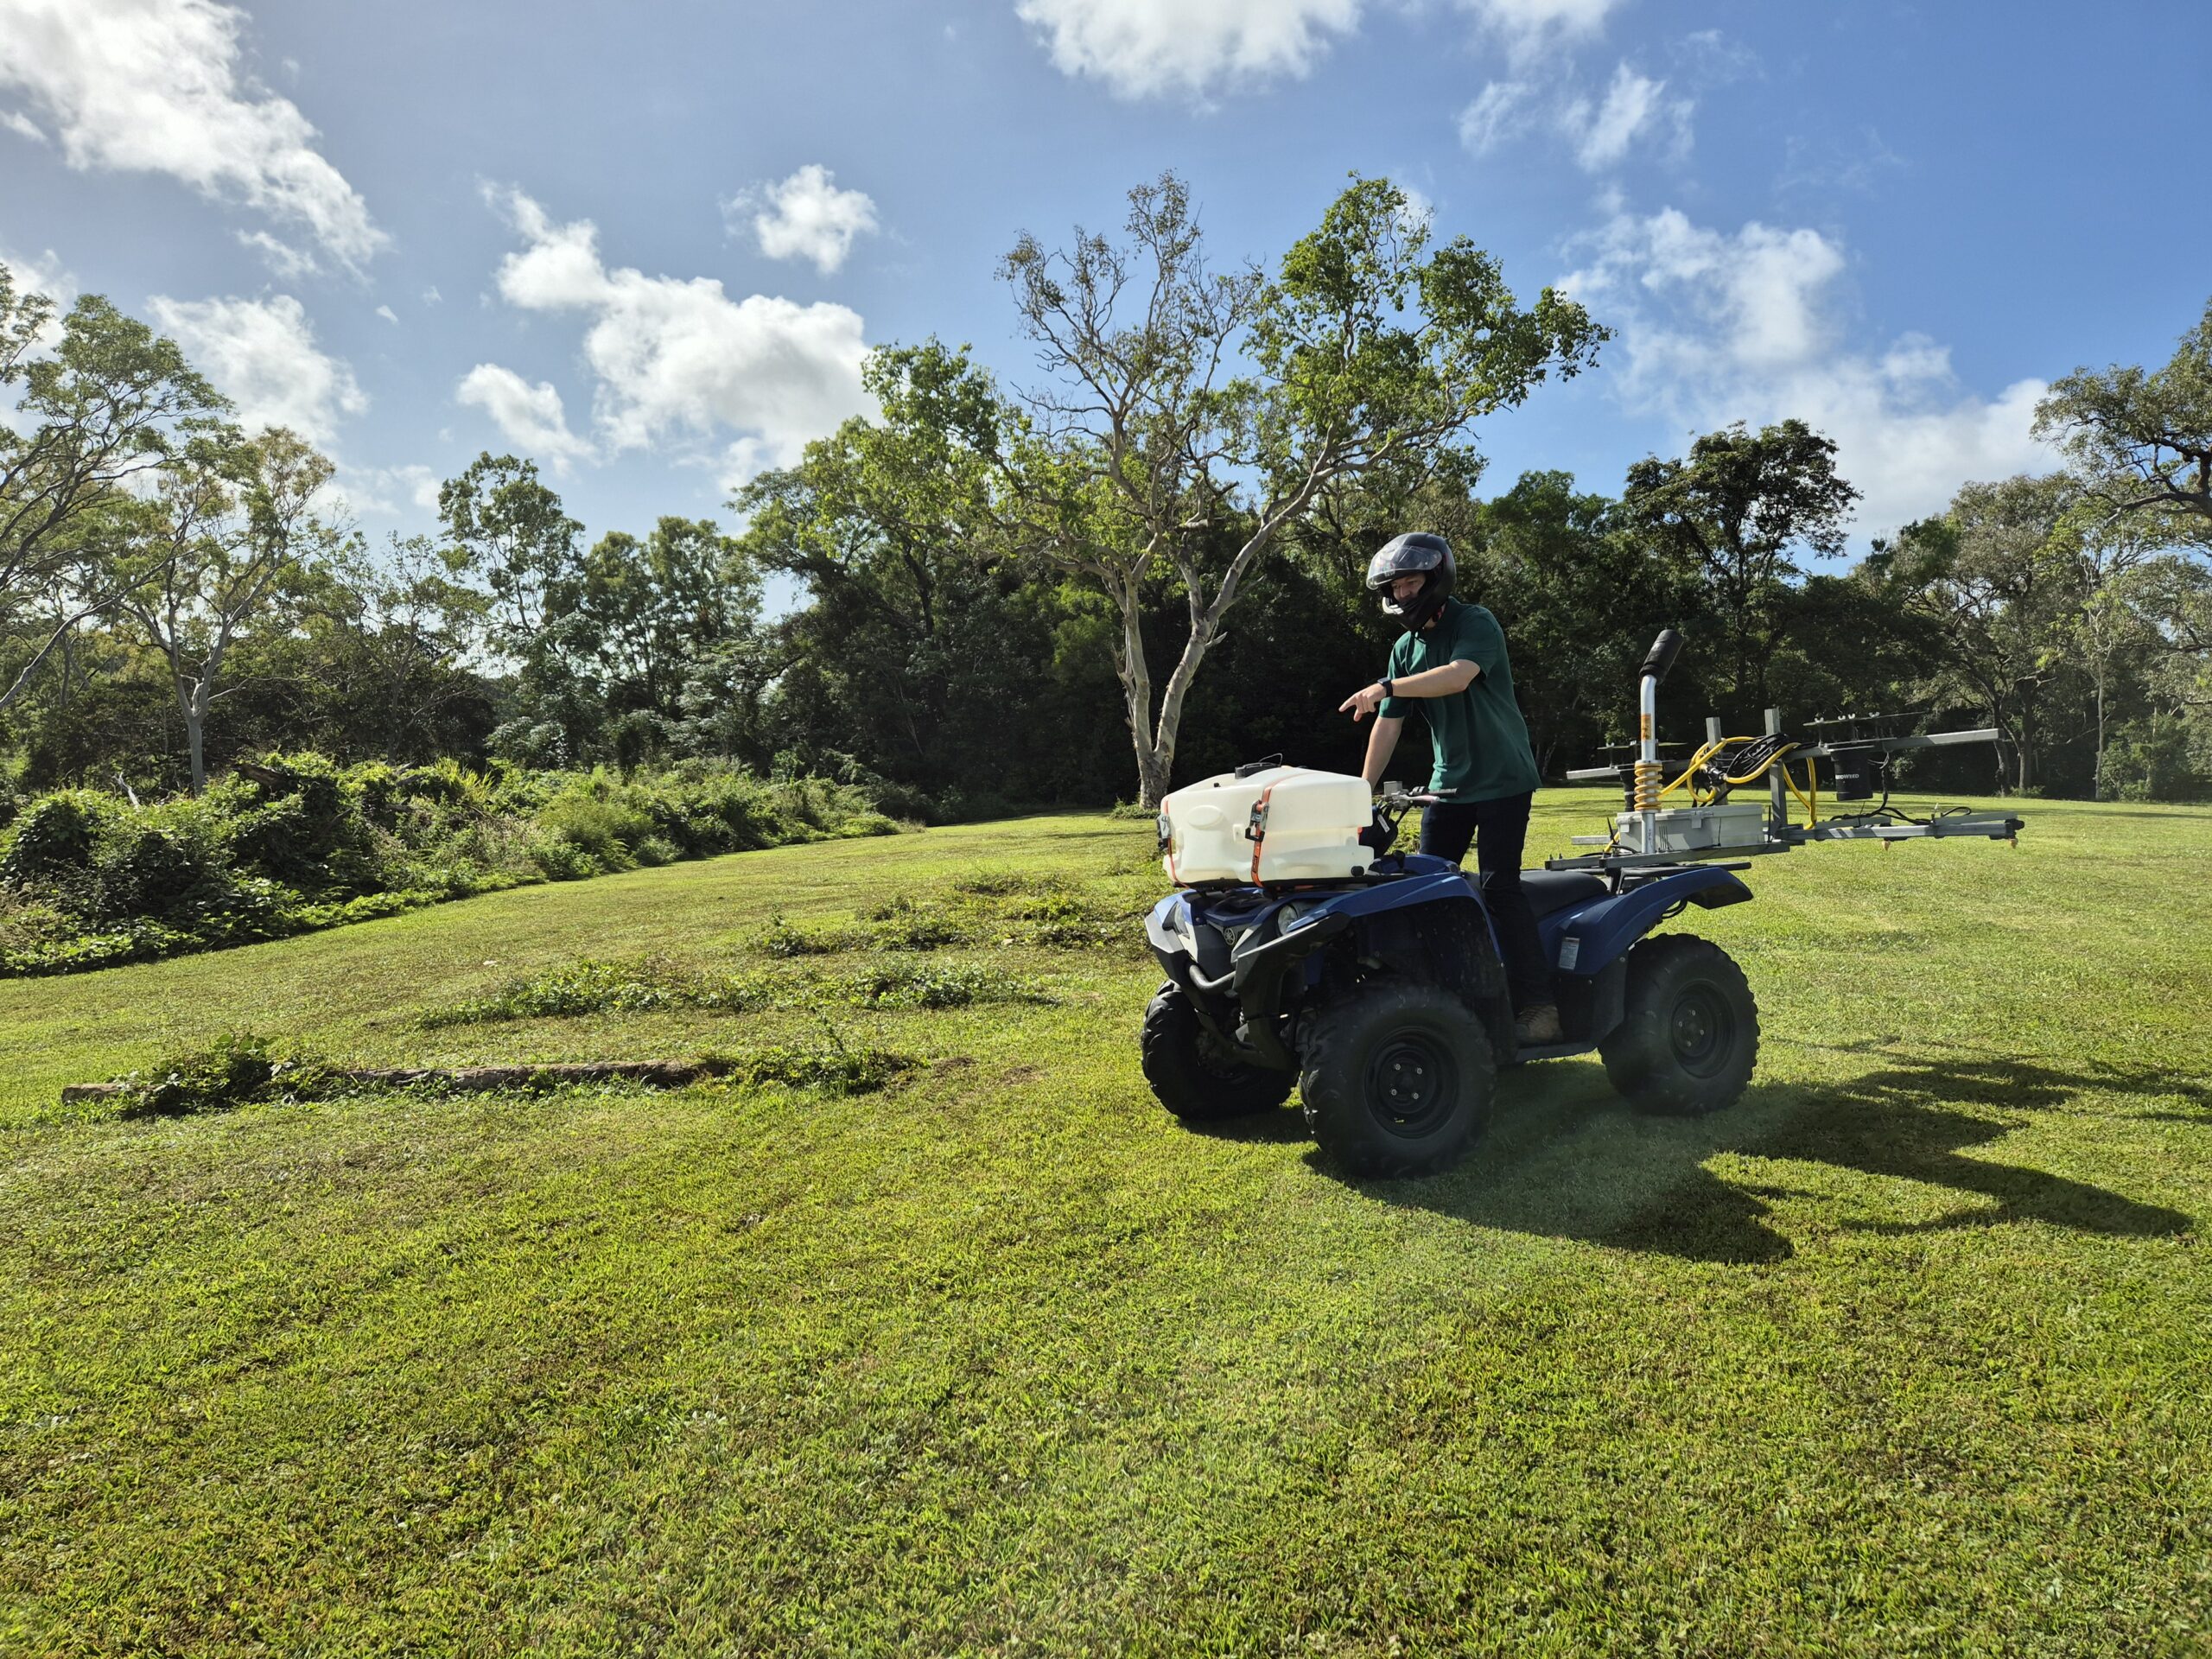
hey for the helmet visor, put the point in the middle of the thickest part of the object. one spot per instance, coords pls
(1399, 560)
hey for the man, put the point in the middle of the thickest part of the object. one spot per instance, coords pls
(1451, 663)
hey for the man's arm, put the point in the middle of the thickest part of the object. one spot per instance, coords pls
(1382, 743)
(1436, 681)
(1429, 683)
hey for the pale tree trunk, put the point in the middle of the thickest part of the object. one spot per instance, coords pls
(1154, 738)
(192, 700)
(1156, 758)
(1134, 671)
(2097, 779)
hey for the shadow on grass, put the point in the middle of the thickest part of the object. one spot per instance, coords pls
(1566, 1158)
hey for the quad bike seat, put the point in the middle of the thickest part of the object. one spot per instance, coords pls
(1554, 890)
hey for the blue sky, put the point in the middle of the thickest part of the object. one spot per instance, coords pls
(646, 243)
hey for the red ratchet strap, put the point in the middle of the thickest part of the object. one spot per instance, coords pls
(1257, 829)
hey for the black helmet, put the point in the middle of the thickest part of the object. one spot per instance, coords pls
(1415, 553)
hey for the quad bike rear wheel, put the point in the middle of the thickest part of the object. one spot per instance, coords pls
(1691, 1034)
(1192, 1071)
(1397, 1079)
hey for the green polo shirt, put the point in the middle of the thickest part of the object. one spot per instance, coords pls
(1480, 740)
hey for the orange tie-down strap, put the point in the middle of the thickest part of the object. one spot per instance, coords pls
(1258, 830)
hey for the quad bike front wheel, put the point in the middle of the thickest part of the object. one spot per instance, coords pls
(1192, 1071)
(1691, 1033)
(1397, 1079)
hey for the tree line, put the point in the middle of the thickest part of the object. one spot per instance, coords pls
(1142, 566)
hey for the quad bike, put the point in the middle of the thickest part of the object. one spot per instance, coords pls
(1302, 950)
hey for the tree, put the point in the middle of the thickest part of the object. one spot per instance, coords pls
(1580, 600)
(1995, 579)
(2110, 551)
(1735, 515)
(233, 532)
(891, 525)
(2144, 438)
(509, 530)
(110, 403)
(2171, 595)
(885, 505)
(380, 664)
(651, 608)
(639, 615)
(1147, 454)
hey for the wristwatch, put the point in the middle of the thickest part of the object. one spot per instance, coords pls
(1385, 683)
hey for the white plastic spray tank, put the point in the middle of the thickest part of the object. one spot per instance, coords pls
(1286, 823)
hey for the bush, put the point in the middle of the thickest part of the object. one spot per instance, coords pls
(54, 837)
(935, 987)
(836, 1067)
(296, 842)
(164, 872)
(780, 939)
(233, 1069)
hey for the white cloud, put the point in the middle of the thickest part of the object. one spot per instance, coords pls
(41, 274)
(44, 275)
(1633, 106)
(1603, 132)
(1532, 28)
(530, 418)
(431, 296)
(1718, 327)
(805, 217)
(1419, 214)
(1500, 111)
(385, 490)
(1147, 47)
(1711, 59)
(155, 87)
(261, 354)
(388, 313)
(16, 122)
(288, 262)
(677, 356)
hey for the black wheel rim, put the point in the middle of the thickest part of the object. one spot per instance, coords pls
(1702, 1030)
(1413, 1083)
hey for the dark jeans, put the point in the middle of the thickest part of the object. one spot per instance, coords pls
(1498, 830)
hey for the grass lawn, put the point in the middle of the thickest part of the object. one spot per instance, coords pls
(1906, 1353)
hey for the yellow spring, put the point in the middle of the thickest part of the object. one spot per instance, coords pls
(1647, 777)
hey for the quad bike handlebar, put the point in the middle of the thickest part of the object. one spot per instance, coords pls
(1391, 807)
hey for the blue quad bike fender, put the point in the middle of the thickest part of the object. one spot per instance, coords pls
(1236, 951)
(1588, 944)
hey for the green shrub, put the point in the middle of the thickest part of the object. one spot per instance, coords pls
(780, 939)
(932, 987)
(296, 842)
(561, 860)
(605, 829)
(55, 836)
(233, 1069)
(1002, 883)
(162, 872)
(836, 1067)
